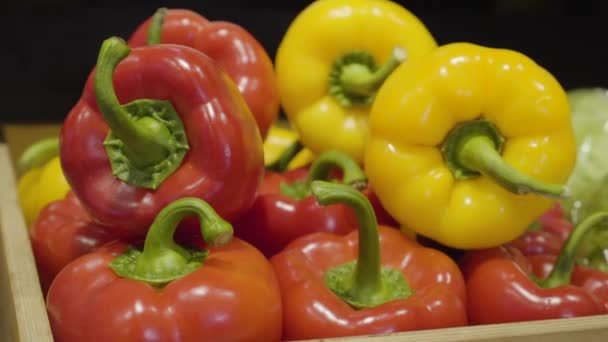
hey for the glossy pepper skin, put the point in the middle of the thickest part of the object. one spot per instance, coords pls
(548, 238)
(328, 67)
(220, 146)
(226, 292)
(554, 221)
(431, 295)
(464, 142)
(594, 281)
(591, 279)
(61, 233)
(233, 48)
(42, 181)
(537, 287)
(277, 217)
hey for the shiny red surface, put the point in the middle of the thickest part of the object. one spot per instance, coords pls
(311, 310)
(223, 166)
(593, 281)
(234, 296)
(233, 48)
(549, 239)
(538, 242)
(555, 222)
(62, 232)
(274, 220)
(500, 289)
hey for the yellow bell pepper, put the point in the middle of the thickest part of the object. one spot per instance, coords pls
(469, 145)
(42, 181)
(278, 141)
(332, 59)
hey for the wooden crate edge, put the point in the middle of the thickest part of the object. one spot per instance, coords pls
(589, 329)
(28, 316)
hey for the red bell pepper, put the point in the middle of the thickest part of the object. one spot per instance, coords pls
(62, 232)
(594, 281)
(372, 280)
(166, 292)
(235, 49)
(538, 242)
(183, 132)
(519, 289)
(285, 208)
(592, 278)
(555, 222)
(548, 236)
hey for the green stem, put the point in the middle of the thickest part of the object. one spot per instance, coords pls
(367, 272)
(156, 26)
(146, 140)
(38, 154)
(473, 148)
(162, 259)
(355, 77)
(364, 282)
(321, 168)
(280, 165)
(352, 174)
(361, 80)
(562, 270)
(479, 154)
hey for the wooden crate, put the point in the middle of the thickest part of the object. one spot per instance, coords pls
(22, 312)
(23, 315)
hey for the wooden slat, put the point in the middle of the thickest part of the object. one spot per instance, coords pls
(23, 314)
(587, 329)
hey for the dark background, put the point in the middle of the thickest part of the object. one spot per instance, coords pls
(49, 46)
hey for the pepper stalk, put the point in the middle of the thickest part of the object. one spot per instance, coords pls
(162, 259)
(562, 270)
(474, 147)
(38, 154)
(147, 140)
(321, 168)
(364, 282)
(355, 77)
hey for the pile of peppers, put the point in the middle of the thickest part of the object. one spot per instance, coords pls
(366, 180)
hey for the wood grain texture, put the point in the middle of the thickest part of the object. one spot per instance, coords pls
(587, 329)
(23, 315)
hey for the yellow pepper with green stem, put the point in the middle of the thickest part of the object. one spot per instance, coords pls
(42, 180)
(331, 61)
(469, 145)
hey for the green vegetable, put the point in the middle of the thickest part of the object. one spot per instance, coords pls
(588, 183)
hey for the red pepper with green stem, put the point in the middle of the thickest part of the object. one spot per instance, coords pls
(285, 208)
(155, 124)
(592, 265)
(372, 280)
(224, 290)
(230, 45)
(592, 276)
(62, 232)
(505, 277)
